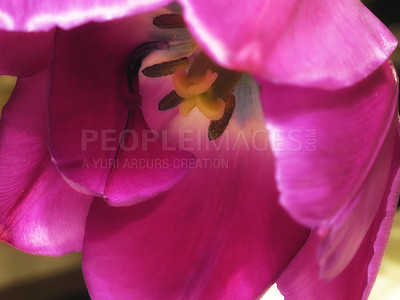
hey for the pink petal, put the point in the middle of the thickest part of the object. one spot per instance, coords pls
(315, 43)
(307, 43)
(339, 245)
(385, 218)
(88, 116)
(300, 280)
(39, 212)
(32, 15)
(24, 54)
(218, 234)
(327, 147)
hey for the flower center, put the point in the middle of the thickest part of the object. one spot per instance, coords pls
(197, 80)
(194, 92)
(204, 86)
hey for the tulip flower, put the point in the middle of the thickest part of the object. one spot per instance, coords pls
(203, 154)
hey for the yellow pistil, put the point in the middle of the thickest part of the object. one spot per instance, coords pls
(7, 84)
(195, 93)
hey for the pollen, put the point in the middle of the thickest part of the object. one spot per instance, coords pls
(195, 93)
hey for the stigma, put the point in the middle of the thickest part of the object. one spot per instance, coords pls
(195, 92)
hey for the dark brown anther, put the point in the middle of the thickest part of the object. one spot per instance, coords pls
(217, 128)
(169, 21)
(135, 62)
(170, 101)
(166, 68)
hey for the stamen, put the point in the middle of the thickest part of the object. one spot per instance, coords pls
(170, 101)
(135, 62)
(169, 21)
(166, 68)
(217, 128)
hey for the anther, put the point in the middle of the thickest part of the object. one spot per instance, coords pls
(169, 21)
(166, 68)
(170, 101)
(217, 128)
(135, 62)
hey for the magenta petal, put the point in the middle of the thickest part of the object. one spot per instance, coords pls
(32, 15)
(145, 171)
(333, 152)
(39, 212)
(88, 117)
(300, 280)
(325, 143)
(24, 54)
(339, 244)
(217, 234)
(316, 43)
